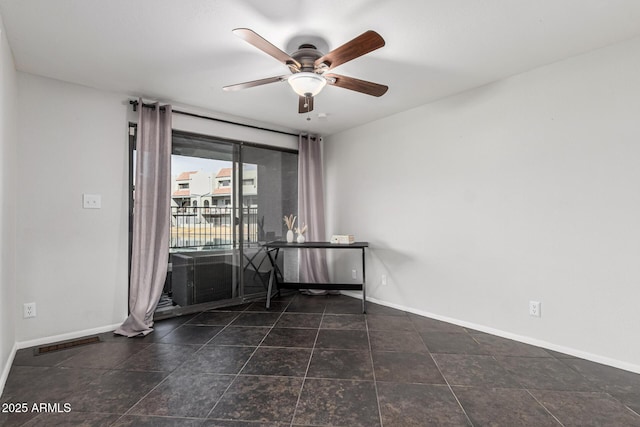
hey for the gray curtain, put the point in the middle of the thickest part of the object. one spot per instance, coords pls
(313, 264)
(151, 218)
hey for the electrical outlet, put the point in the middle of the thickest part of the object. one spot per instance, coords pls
(534, 308)
(29, 310)
(91, 201)
(354, 274)
(383, 280)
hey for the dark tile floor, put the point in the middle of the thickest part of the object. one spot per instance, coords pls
(316, 361)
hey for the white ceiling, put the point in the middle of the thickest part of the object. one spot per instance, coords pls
(183, 51)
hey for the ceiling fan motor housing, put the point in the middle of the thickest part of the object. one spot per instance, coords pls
(306, 55)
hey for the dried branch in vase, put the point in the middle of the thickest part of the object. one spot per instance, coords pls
(290, 221)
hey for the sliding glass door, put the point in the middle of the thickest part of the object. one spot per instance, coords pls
(227, 200)
(205, 244)
(269, 192)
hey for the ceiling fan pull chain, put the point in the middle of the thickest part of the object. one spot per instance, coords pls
(307, 104)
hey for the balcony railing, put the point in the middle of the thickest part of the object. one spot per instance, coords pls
(211, 227)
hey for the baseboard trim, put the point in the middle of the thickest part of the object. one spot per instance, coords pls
(18, 345)
(615, 363)
(67, 336)
(7, 367)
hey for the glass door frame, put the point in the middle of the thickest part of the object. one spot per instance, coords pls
(238, 237)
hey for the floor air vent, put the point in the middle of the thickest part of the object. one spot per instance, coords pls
(66, 344)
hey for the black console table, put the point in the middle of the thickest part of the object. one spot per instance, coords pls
(276, 277)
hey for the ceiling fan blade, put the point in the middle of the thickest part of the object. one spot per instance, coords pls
(363, 86)
(363, 44)
(254, 83)
(253, 38)
(305, 104)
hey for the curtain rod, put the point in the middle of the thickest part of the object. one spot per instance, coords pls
(136, 103)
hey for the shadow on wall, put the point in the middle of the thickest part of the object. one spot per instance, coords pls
(383, 265)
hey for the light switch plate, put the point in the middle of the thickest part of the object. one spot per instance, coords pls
(91, 201)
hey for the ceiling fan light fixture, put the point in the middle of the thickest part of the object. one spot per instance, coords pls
(307, 84)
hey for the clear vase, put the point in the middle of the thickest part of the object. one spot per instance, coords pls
(290, 236)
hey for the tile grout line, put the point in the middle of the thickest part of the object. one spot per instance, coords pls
(590, 381)
(545, 408)
(235, 377)
(373, 369)
(443, 377)
(594, 382)
(495, 359)
(127, 412)
(304, 379)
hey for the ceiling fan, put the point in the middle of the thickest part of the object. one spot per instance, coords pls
(309, 67)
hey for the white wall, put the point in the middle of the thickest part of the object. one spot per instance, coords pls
(71, 261)
(8, 170)
(526, 189)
